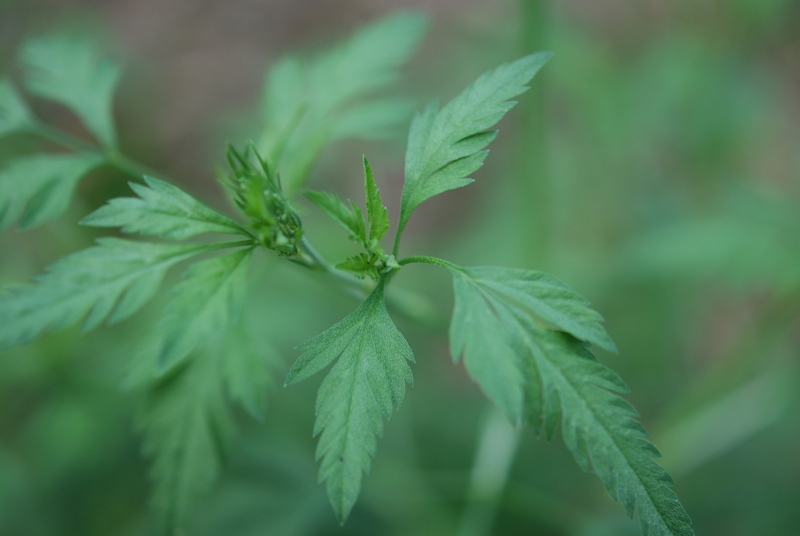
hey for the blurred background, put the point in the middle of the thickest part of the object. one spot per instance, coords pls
(654, 167)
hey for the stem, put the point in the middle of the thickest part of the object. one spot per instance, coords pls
(534, 224)
(495, 454)
(113, 157)
(428, 260)
(310, 258)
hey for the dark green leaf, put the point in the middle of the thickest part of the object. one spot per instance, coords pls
(70, 70)
(502, 323)
(445, 146)
(376, 213)
(162, 210)
(38, 188)
(366, 383)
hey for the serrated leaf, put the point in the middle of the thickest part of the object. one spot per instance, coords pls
(187, 426)
(71, 70)
(351, 218)
(162, 210)
(110, 281)
(445, 146)
(356, 265)
(377, 214)
(207, 300)
(501, 324)
(14, 114)
(366, 383)
(38, 188)
(552, 303)
(308, 103)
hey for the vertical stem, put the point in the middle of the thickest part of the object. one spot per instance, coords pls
(532, 193)
(531, 203)
(497, 447)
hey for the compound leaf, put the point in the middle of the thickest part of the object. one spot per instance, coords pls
(351, 218)
(524, 337)
(308, 103)
(208, 299)
(445, 146)
(70, 70)
(110, 281)
(162, 210)
(14, 114)
(186, 414)
(366, 383)
(187, 425)
(377, 214)
(38, 188)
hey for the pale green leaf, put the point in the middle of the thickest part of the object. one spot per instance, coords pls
(380, 119)
(110, 281)
(162, 210)
(72, 71)
(207, 300)
(38, 188)
(249, 366)
(366, 383)
(187, 426)
(519, 333)
(309, 103)
(14, 115)
(356, 265)
(445, 146)
(377, 214)
(351, 218)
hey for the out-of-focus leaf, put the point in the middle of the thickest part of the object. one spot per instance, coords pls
(38, 188)
(13, 112)
(308, 103)
(71, 70)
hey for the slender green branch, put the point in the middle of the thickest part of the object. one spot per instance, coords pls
(113, 157)
(428, 260)
(59, 137)
(310, 258)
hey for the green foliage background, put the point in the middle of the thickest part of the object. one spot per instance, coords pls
(653, 166)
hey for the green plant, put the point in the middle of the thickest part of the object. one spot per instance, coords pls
(524, 336)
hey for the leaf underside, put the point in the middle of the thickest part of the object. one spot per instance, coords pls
(337, 95)
(364, 386)
(14, 115)
(524, 337)
(38, 188)
(162, 210)
(186, 415)
(208, 299)
(110, 281)
(71, 71)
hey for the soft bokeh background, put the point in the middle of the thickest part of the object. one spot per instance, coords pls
(654, 166)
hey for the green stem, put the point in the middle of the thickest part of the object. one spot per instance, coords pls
(113, 157)
(534, 224)
(494, 456)
(429, 260)
(310, 258)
